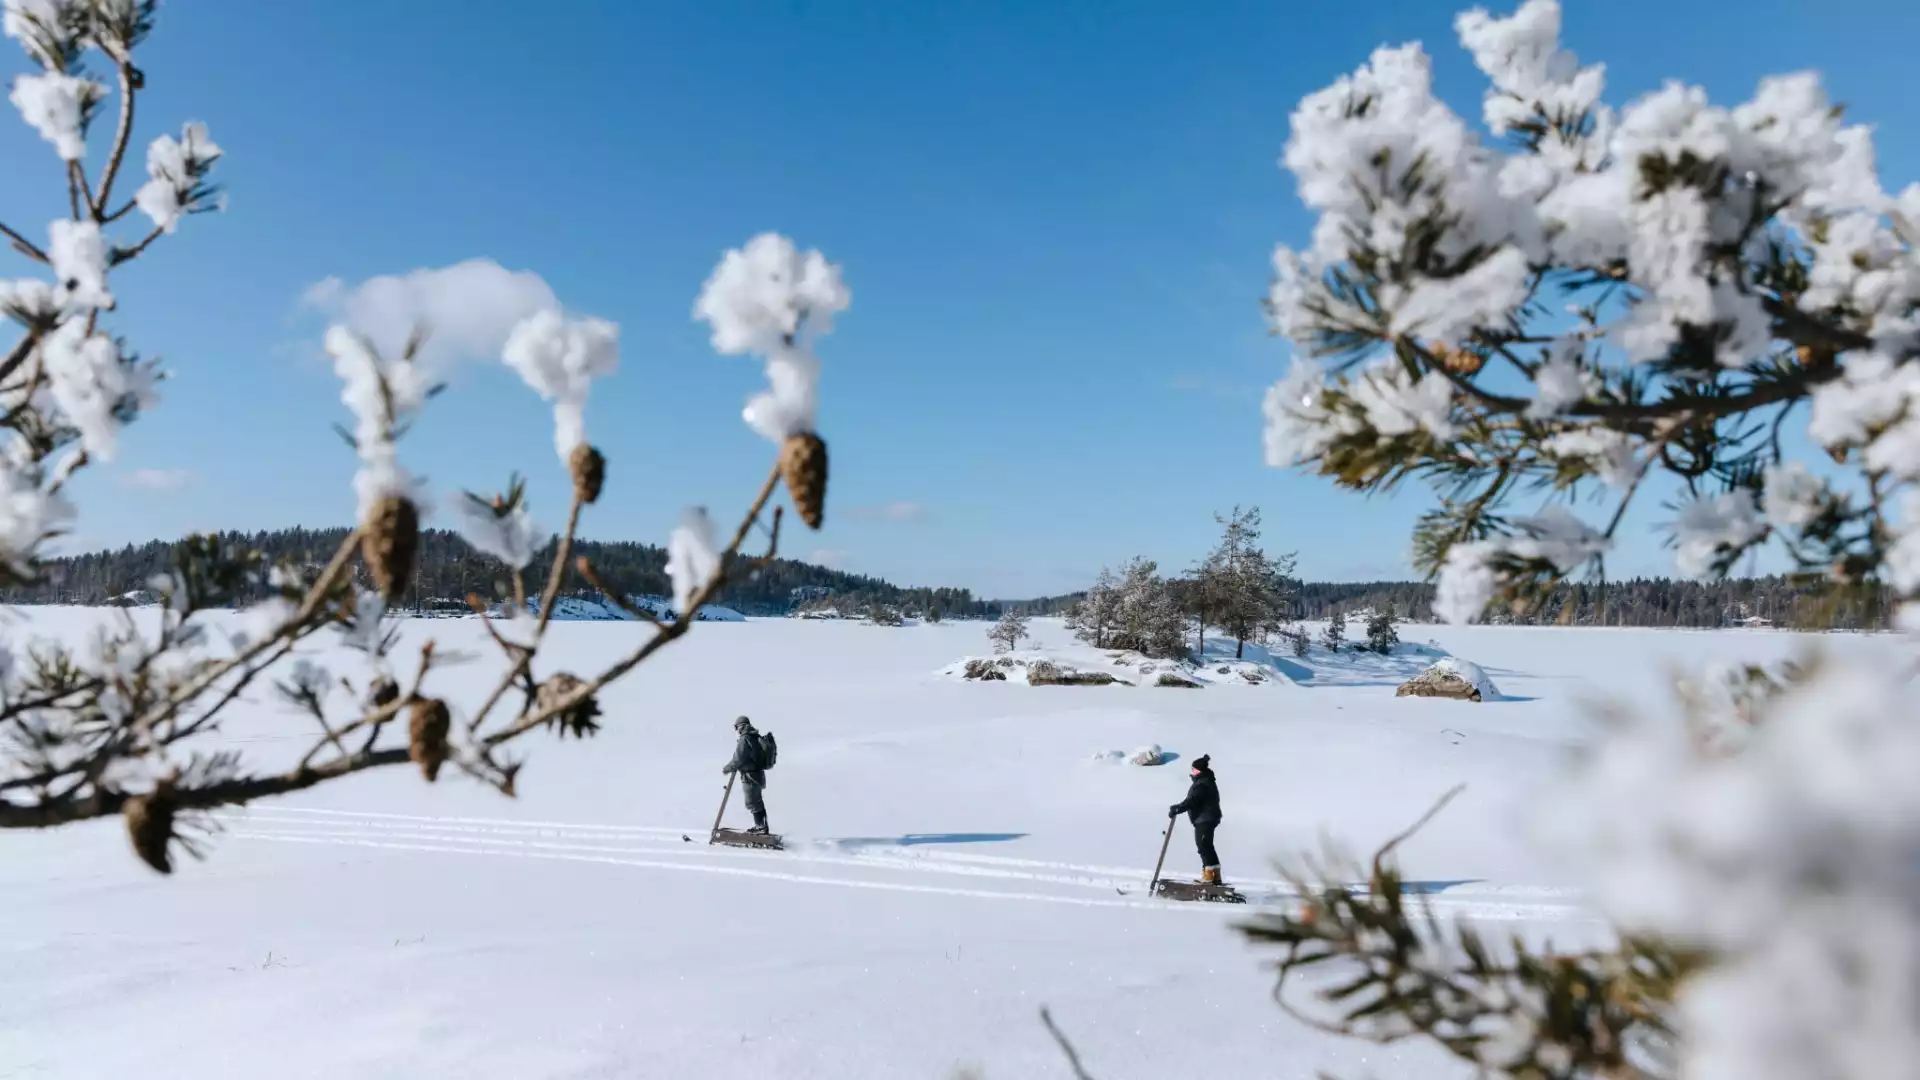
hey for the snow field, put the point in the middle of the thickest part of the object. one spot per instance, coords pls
(957, 858)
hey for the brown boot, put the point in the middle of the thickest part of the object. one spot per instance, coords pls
(1210, 875)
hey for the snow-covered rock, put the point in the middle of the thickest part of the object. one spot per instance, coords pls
(1079, 665)
(1451, 677)
(1150, 754)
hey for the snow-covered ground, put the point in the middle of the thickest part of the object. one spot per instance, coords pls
(959, 857)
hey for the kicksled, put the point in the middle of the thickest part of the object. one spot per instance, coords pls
(1187, 890)
(739, 837)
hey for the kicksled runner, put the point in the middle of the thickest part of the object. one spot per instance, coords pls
(1188, 890)
(739, 837)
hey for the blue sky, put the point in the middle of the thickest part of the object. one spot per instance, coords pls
(1055, 218)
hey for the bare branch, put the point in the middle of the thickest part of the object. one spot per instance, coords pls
(123, 255)
(309, 607)
(77, 194)
(1406, 834)
(672, 631)
(120, 135)
(586, 570)
(101, 802)
(559, 571)
(23, 245)
(1073, 1056)
(18, 355)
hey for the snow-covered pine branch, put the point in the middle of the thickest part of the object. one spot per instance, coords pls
(119, 727)
(1582, 295)
(1718, 267)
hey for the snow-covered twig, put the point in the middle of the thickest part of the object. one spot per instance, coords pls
(113, 732)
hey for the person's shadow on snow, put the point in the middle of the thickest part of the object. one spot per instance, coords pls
(913, 839)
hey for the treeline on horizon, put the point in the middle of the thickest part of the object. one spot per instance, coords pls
(447, 571)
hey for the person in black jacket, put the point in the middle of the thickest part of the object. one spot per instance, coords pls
(1202, 807)
(749, 762)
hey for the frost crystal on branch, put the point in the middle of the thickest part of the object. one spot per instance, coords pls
(1796, 857)
(504, 531)
(1560, 381)
(769, 299)
(692, 557)
(1711, 532)
(91, 383)
(1531, 75)
(559, 358)
(44, 28)
(1397, 404)
(30, 302)
(1299, 427)
(1609, 453)
(176, 171)
(1794, 497)
(57, 105)
(1473, 572)
(28, 515)
(79, 256)
(382, 395)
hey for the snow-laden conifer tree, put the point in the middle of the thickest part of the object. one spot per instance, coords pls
(1239, 587)
(1009, 632)
(1645, 299)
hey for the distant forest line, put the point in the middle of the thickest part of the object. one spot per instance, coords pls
(447, 571)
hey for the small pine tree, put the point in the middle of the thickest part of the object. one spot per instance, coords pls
(1007, 634)
(1336, 632)
(933, 614)
(1297, 639)
(1381, 636)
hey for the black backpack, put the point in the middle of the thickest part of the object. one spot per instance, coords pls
(769, 750)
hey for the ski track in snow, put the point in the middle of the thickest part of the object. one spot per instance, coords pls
(662, 848)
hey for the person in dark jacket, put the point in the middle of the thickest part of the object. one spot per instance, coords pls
(749, 763)
(1202, 807)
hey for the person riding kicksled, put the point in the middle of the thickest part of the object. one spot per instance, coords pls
(1202, 807)
(752, 754)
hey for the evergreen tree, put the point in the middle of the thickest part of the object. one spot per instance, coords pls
(1335, 634)
(1093, 617)
(1239, 587)
(1381, 636)
(1148, 617)
(1007, 634)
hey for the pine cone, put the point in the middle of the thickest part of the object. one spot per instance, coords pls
(383, 692)
(150, 827)
(388, 542)
(1459, 361)
(803, 465)
(578, 720)
(589, 471)
(427, 724)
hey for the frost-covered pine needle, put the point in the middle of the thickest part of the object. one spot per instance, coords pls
(769, 299)
(559, 357)
(692, 557)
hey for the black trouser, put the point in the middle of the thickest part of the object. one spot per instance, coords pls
(1203, 839)
(755, 805)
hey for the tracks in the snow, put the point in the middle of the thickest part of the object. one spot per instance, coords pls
(814, 862)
